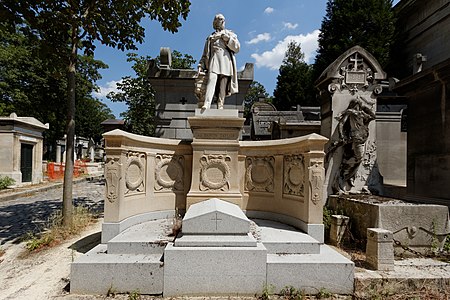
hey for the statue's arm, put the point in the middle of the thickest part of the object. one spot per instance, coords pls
(203, 63)
(233, 43)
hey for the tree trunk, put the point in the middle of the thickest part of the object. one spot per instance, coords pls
(70, 135)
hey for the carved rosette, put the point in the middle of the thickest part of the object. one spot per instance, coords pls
(135, 172)
(169, 172)
(316, 178)
(259, 173)
(215, 172)
(294, 175)
(113, 177)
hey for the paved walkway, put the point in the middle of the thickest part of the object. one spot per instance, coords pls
(27, 210)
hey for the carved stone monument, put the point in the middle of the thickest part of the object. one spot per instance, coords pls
(348, 91)
(215, 156)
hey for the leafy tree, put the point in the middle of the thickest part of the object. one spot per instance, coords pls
(69, 26)
(137, 93)
(347, 23)
(294, 83)
(255, 91)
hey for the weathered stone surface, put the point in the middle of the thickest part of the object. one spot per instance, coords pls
(380, 249)
(416, 225)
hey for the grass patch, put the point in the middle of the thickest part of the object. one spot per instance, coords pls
(54, 232)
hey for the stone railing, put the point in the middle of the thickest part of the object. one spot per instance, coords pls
(150, 178)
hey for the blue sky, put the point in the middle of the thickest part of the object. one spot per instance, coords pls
(264, 28)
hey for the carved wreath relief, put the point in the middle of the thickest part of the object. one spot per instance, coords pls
(112, 174)
(316, 178)
(135, 172)
(259, 173)
(294, 174)
(169, 172)
(215, 172)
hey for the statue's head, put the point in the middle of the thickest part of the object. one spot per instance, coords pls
(219, 22)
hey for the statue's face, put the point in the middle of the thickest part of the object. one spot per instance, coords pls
(219, 22)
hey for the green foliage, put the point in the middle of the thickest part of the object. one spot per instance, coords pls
(268, 290)
(347, 23)
(324, 294)
(327, 213)
(291, 293)
(137, 93)
(294, 82)
(255, 91)
(6, 181)
(134, 295)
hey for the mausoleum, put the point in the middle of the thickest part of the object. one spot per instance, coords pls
(21, 147)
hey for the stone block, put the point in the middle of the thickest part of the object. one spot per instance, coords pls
(97, 273)
(337, 229)
(190, 271)
(216, 113)
(215, 216)
(380, 249)
(311, 272)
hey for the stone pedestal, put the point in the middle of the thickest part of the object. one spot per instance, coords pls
(215, 149)
(380, 249)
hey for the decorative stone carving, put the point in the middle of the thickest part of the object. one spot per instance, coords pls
(169, 172)
(259, 173)
(294, 175)
(135, 172)
(316, 178)
(215, 172)
(355, 75)
(113, 177)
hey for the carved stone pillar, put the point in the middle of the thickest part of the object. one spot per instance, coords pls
(215, 148)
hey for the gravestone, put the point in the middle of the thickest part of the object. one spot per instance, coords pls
(349, 88)
(216, 253)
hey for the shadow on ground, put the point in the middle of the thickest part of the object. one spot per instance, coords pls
(16, 220)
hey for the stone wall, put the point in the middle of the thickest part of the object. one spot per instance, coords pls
(149, 177)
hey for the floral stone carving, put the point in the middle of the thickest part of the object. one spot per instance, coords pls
(112, 174)
(294, 174)
(135, 172)
(316, 178)
(169, 172)
(215, 172)
(259, 173)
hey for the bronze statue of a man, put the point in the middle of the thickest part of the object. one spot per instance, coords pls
(219, 63)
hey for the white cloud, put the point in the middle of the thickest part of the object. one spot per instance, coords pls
(269, 10)
(262, 37)
(111, 86)
(289, 25)
(272, 59)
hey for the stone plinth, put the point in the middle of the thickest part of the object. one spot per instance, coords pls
(215, 156)
(380, 249)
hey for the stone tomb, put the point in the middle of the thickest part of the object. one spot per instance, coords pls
(216, 253)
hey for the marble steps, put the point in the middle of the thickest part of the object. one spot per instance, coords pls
(99, 272)
(280, 238)
(146, 238)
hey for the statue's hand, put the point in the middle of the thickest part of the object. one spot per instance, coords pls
(225, 37)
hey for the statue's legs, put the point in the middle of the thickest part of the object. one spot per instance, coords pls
(210, 89)
(222, 91)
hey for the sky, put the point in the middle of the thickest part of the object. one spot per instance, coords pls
(264, 29)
